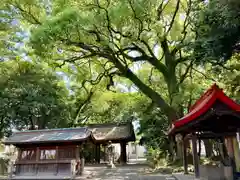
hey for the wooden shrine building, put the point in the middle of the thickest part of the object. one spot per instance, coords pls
(58, 153)
(116, 133)
(213, 116)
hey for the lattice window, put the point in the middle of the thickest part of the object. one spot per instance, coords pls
(29, 154)
(47, 154)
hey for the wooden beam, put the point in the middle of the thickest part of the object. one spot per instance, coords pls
(195, 156)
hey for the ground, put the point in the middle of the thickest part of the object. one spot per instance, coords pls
(131, 171)
(127, 172)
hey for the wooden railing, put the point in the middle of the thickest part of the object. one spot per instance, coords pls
(49, 167)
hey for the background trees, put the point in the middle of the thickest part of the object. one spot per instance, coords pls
(124, 60)
(31, 97)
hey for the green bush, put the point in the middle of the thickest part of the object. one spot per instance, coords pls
(156, 157)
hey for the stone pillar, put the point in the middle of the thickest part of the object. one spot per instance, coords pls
(185, 160)
(195, 156)
(78, 159)
(111, 155)
(179, 140)
(123, 157)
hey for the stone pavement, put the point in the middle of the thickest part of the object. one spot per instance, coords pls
(127, 172)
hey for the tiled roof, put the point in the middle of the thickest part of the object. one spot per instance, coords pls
(98, 132)
(111, 132)
(49, 135)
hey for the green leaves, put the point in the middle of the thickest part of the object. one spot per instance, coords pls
(31, 97)
(218, 31)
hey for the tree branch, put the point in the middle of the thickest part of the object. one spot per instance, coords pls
(184, 31)
(150, 76)
(161, 8)
(174, 16)
(82, 105)
(144, 57)
(204, 75)
(140, 28)
(25, 13)
(183, 77)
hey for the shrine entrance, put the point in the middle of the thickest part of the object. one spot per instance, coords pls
(119, 135)
(213, 116)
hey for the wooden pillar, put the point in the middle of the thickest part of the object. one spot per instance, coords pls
(230, 149)
(92, 159)
(195, 156)
(229, 145)
(104, 158)
(97, 153)
(19, 154)
(185, 160)
(123, 157)
(236, 153)
(77, 152)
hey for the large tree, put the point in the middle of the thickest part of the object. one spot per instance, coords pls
(106, 41)
(117, 34)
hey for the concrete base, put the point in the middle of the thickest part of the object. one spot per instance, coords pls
(180, 176)
(208, 172)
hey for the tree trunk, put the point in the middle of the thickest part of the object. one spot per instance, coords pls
(208, 148)
(156, 97)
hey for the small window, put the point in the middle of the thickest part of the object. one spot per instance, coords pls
(29, 154)
(48, 154)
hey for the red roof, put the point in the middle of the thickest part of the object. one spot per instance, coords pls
(203, 104)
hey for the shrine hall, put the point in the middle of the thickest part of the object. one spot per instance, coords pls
(214, 116)
(58, 153)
